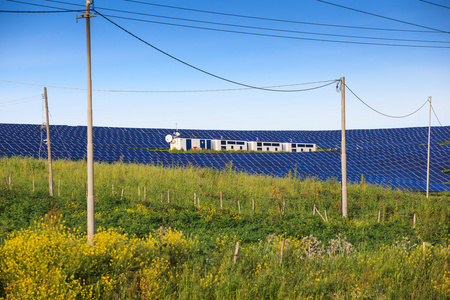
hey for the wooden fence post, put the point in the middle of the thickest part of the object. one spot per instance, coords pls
(10, 179)
(284, 206)
(221, 207)
(33, 183)
(139, 193)
(320, 214)
(253, 204)
(282, 251)
(414, 221)
(145, 193)
(195, 199)
(121, 195)
(314, 209)
(326, 216)
(236, 253)
(239, 206)
(379, 216)
(112, 188)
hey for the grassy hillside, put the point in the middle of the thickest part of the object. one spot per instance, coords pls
(157, 244)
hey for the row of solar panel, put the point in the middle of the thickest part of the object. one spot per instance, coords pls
(372, 136)
(377, 154)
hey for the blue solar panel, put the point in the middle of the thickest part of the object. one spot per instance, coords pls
(395, 157)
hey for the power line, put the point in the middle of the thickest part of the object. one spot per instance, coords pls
(272, 29)
(41, 5)
(173, 91)
(379, 16)
(435, 4)
(288, 37)
(38, 11)
(432, 108)
(20, 101)
(56, 87)
(272, 19)
(386, 115)
(60, 136)
(237, 25)
(261, 28)
(203, 71)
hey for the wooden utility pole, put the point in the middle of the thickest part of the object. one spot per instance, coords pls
(90, 146)
(343, 151)
(49, 148)
(429, 139)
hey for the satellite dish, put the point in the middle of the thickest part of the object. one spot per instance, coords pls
(177, 134)
(169, 138)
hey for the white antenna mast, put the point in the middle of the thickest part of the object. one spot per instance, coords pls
(176, 133)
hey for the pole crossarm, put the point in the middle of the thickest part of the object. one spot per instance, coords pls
(86, 15)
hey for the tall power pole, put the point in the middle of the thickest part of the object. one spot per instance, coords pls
(49, 148)
(343, 151)
(90, 146)
(429, 140)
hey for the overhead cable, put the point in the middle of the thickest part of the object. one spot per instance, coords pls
(61, 137)
(20, 101)
(432, 108)
(383, 114)
(56, 87)
(269, 19)
(239, 26)
(173, 91)
(38, 11)
(206, 72)
(290, 37)
(47, 6)
(435, 4)
(289, 31)
(270, 35)
(379, 16)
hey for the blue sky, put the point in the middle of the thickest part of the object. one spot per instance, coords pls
(50, 50)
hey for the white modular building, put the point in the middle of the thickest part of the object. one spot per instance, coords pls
(175, 142)
(265, 146)
(229, 145)
(299, 147)
(188, 144)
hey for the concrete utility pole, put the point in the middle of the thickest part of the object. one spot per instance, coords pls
(90, 146)
(49, 149)
(429, 139)
(343, 151)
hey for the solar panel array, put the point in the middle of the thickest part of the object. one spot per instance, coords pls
(392, 157)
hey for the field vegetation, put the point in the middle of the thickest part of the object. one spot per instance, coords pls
(152, 242)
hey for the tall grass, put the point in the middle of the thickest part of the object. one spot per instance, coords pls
(140, 252)
(300, 194)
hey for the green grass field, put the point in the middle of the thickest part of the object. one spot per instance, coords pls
(152, 242)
